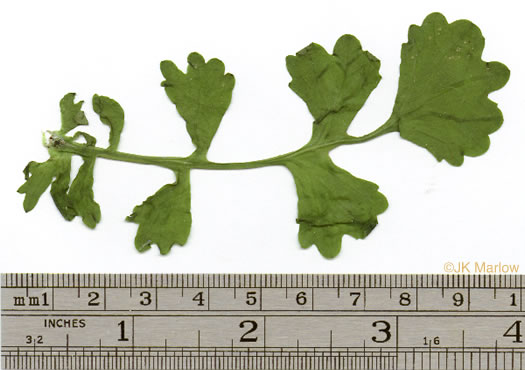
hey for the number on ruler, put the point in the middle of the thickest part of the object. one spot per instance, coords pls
(384, 329)
(404, 299)
(253, 327)
(199, 297)
(513, 299)
(356, 295)
(458, 299)
(514, 332)
(428, 341)
(44, 295)
(122, 326)
(301, 299)
(93, 301)
(34, 340)
(251, 298)
(146, 298)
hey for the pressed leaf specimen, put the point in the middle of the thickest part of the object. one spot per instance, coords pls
(442, 105)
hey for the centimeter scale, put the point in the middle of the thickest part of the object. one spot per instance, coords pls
(245, 321)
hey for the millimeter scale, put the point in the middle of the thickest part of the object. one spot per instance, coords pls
(266, 321)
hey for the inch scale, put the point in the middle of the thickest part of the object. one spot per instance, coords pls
(246, 321)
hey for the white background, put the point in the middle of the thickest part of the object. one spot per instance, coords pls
(244, 221)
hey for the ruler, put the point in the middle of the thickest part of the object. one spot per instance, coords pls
(247, 321)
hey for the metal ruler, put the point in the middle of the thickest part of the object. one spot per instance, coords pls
(228, 321)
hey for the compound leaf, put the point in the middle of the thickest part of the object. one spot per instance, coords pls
(111, 114)
(164, 218)
(442, 102)
(202, 96)
(71, 113)
(334, 87)
(442, 105)
(332, 203)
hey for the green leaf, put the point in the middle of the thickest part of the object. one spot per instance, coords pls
(60, 187)
(164, 218)
(81, 190)
(70, 201)
(332, 203)
(39, 176)
(334, 87)
(202, 96)
(442, 102)
(111, 114)
(81, 194)
(442, 105)
(71, 113)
